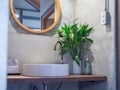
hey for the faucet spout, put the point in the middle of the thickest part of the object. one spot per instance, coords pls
(58, 42)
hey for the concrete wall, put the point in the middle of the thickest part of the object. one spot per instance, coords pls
(30, 48)
(89, 11)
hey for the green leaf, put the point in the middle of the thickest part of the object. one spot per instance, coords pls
(88, 31)
(82, 29)
(74, 37)
(90, 40)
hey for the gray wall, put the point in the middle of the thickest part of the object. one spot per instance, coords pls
(30, 48)
(89, 11)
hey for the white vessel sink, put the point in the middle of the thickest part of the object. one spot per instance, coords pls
(46, 69)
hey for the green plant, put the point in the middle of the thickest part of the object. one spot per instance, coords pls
(73, 38)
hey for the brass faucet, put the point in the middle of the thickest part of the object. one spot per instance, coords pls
(58, 42)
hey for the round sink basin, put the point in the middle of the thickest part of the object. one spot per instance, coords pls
(46, 69)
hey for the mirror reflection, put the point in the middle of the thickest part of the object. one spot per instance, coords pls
(35, 14)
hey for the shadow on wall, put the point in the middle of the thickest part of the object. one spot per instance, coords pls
(108, 26)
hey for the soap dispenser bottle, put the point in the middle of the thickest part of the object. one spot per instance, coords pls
(87, 66)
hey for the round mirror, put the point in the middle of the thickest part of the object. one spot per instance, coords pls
(36, 16)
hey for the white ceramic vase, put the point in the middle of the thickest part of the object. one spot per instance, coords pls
(76, 68)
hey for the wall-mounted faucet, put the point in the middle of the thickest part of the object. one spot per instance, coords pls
(58, 42)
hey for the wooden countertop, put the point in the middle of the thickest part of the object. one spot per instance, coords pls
(70, 78)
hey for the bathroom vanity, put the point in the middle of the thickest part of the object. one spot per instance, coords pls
(70, 78)
(45, 80)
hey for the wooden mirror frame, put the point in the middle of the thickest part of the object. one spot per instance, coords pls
(57, 19)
